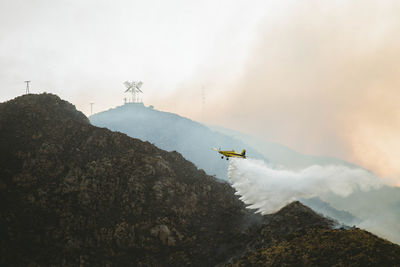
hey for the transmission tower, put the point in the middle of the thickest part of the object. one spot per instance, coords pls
(134, 88)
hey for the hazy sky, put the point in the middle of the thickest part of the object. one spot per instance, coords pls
(322, 77)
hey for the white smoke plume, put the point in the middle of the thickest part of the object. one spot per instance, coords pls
(268, 189)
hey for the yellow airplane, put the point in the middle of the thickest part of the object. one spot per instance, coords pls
(232, 154)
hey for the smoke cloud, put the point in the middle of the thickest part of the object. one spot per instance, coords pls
(321, 77)
(267, 189)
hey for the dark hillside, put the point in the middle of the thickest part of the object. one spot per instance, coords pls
(71, 193)
(74, 194)
(321, 247)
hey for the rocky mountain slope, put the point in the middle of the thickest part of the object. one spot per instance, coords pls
(194, 141)
(172, 132)
(74, 194)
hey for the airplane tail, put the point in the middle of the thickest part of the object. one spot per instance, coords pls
(243, 152)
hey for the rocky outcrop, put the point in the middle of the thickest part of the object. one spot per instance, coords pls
(74, 194)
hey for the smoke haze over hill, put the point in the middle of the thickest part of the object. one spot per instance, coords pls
(319, 76)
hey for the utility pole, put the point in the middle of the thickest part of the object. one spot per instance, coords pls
(91, 108)
(27, 87)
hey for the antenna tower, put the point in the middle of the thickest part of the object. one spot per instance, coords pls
(134, 88)
(27, 87)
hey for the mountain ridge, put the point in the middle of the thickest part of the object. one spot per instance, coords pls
(171, 132)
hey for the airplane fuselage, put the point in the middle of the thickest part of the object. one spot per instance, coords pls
(231, 154)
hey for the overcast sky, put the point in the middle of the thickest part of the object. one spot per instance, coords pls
(322, 77)
(85, 50)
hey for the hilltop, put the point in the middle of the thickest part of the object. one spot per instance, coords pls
(172, 132)
(75, 194)
(194, 140)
